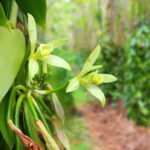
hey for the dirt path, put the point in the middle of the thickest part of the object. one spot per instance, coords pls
(111, 130)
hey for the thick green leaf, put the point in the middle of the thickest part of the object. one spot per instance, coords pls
(8, 134)
(12, 51)
(3, 20)
(37, 8)
(7, 7)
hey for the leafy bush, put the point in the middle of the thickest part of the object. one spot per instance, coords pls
(112, 58)
(137, 75)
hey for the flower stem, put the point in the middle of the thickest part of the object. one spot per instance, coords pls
(11, 99)
(17, 111)
(36, 118)
(27, 118)
(45, 92)
(43, 104)
(40, 114)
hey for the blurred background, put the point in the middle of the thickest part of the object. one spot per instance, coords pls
(122, 27)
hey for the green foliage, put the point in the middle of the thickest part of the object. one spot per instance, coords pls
(3, 21)
(12, 50)
(35, 7)
(137, 81)
(112, 59)
(7, 7)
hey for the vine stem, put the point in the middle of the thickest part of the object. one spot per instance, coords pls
(40, 114)
(44, 92)
(43, 104)
(12, 98)
(17, 111)
(13, 14)
(36, 118)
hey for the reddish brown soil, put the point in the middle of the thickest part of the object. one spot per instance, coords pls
(111, 130)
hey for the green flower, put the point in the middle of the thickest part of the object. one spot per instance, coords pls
(89, 79)
(43, 52)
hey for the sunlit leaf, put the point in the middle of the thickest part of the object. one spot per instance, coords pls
(12, 51)
(56, 61)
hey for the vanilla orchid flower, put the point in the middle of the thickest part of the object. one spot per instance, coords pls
(89, 79)
(43, 52)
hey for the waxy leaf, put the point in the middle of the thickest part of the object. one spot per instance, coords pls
(37, 8)
(12, 51)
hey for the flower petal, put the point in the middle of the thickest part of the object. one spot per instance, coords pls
(92, 58)
(83, 72)
(106, 78)
(32, 32)
(56, 61)
(58, 42)
(58, 108)
(33, 68)
(95, 91)
(73, 85)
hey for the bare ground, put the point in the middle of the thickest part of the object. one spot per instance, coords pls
(111, 130)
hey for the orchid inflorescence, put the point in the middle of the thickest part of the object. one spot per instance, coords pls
(89, 77)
